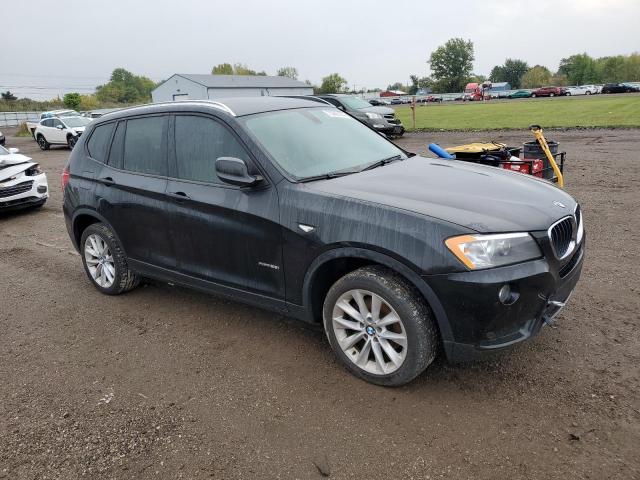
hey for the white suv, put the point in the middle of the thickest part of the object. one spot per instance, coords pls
(60, 131)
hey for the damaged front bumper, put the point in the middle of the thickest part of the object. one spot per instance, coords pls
(23, 191)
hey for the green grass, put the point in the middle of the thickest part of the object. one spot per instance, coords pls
(591, 111)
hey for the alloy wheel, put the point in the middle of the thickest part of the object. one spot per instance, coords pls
(99, 261)
(369, 331)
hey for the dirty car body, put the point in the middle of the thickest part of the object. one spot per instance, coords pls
(281, 241)
(22, 183)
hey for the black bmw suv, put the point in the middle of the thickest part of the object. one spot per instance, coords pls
(299, 208)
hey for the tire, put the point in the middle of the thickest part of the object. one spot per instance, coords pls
(71, 141)
(416, 327)
(588, 92)
(533, 95)
(122, 279)
(42, 142)
(552, 94)
(568, 94)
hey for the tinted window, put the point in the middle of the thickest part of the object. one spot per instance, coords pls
(144, 146)
(115, 154)
(99, 142)
(47, 123)
(199, 141)
(56, 122)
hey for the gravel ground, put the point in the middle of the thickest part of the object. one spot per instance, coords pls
(169, 383)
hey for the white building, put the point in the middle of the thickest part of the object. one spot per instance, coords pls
(203, 87)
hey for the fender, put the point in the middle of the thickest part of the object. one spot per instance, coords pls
(91, 212)
(387, 261)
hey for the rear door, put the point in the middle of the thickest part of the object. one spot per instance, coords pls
(222, 233)
(131, 189)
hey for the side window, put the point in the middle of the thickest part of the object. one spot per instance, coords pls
(115, 154)
(199, 142)
(47, 123)
(56, 122)
(98, 143)
(144, 143)
(333, 101)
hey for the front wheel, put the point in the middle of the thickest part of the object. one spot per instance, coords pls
(568, 94)
(379, 326)
(42, 143)
(71, 141)
(588, 92)
(552, 94)
(533, 95)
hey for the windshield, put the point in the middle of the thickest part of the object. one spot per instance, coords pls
(318, 141)
(354, 102)
(74, 122)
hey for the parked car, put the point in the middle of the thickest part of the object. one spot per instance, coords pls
(307, 212)
(520, 94)
(618, 88)
(396, 101)
(382, 119)
(31, 126)
(549, 92)
(576, 90)
(591, 89)
(2, 139)
(378, 102)
(60, 131)
(22, 183)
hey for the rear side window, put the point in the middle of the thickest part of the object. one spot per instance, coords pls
(199, 142)
(144, 150)
(98, 143)
(47, 123)
(115, 154)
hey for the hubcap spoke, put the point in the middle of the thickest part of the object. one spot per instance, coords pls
(99, 261)
(369, 331)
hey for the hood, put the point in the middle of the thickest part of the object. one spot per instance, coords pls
(380, 110)
(481, 198)
(13, 164)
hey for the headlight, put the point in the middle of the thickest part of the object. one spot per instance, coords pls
(33, 171)
(373, 115)
(486, 251)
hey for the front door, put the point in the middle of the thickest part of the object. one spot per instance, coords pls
(222, 233)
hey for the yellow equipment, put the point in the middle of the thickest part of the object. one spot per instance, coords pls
(537, 132)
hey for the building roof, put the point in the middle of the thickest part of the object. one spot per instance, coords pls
(243, 81)
(236, 106)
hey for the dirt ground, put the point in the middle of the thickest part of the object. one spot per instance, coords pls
(169, 383)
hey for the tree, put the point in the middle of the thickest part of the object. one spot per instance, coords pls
(290, 72)
(222, 69)
(451, 65)
(396, 86)
(125, 87)
(511, 72)
(72, 100)
(236, 69)
(537, 76)
(612, 69)
(579, 69)
(8, 96)
(333, 83)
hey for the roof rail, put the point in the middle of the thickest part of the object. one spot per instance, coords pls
(218, 105)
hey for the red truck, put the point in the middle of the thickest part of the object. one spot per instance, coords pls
(549, 92)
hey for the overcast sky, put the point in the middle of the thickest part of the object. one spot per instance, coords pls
(77, 43)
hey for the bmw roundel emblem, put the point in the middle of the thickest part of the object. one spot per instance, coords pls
(559, 204)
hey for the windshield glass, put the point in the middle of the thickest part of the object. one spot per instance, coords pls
(74, 122)
(354, 102)
(308, 142)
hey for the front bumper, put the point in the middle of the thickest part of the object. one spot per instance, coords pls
(36, 194)
(480, 323)
(386, 126)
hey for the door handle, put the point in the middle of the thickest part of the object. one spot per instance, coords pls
(179, 196)
(107, 181)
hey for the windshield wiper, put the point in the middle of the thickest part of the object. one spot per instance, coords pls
(380, 163)
(327, 176)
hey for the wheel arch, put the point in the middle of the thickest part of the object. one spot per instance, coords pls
(332, 264)
(83, 218)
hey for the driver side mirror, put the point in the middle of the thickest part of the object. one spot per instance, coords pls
(235, 172)
(59, 127)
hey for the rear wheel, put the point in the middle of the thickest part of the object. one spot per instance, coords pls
(105, 262)
(42, 142)
(379, 326)
(552, 94)
(533, 95)
(588, 92)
